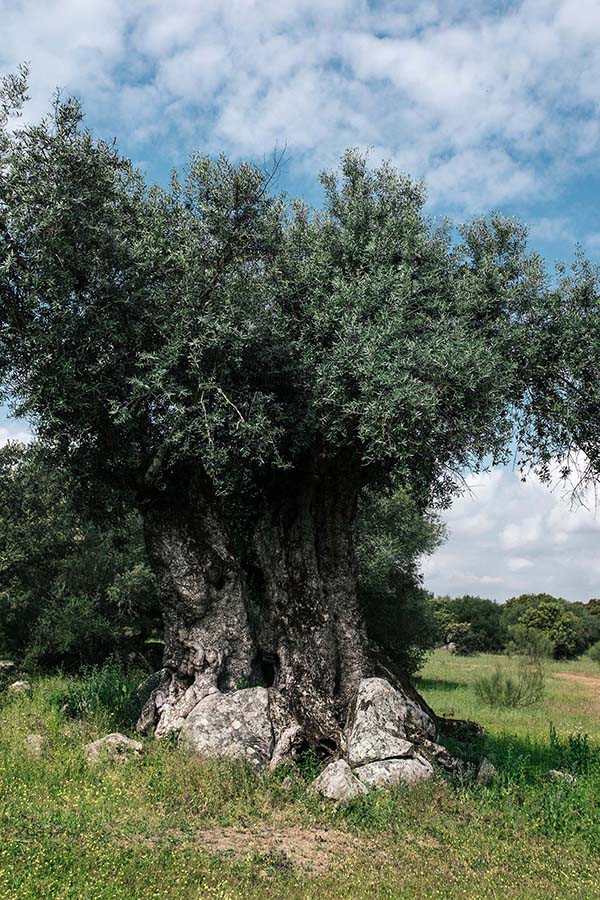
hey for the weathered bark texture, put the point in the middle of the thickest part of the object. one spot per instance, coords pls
(309, 626)
(264, 659)
(208, 646)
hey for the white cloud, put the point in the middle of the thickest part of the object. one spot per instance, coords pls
(592, 242)
(552, 228)
(490, 102)
(14, 433)
(519, 534)
(559, 540)
(518, 563)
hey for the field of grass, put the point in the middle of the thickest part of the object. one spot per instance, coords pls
(167, 826)
(571, 701)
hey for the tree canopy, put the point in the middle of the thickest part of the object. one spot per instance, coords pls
(213, 323)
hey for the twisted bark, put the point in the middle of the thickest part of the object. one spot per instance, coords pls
(310, 627)
(289, 619)
(208, 645)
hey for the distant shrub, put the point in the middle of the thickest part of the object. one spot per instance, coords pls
(463, 637)
(109, 693)
(572, 627)
(594, 652)
(529, 642)
(503, 689)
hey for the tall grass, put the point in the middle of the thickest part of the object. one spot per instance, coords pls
(111, 694)
(503, 689)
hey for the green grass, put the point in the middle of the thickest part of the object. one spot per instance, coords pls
(148, 829)
(446, 682)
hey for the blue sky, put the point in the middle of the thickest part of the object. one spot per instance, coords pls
(495, 104)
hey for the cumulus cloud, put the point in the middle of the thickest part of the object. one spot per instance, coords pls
(527, 537)
(488, 101)
(14, 431)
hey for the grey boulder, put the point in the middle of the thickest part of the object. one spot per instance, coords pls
(20, 687)
(394, 772)
(558, 775)
(234, 725)
(336, 782)
(486, 772)
(382, 723)
(114, 746)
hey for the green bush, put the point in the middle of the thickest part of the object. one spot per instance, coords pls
(571, 627)
(74, 589)
(392, 533)
(594, 652)
(530, 642)
(503, 689)
(110, 694)
(482, 614)
(463, 637)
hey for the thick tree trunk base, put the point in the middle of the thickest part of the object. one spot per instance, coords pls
(208, 645)
(264, 661)
(309, 622)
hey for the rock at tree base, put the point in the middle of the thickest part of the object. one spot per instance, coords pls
(20, 687)
(442, 757)
(389, 738)
(394, 772)
(114, 746)
(382, 723)
(34, 744)
(336, 782)
(235, 725)
(557, 775)
(486, 772)
(461, 729)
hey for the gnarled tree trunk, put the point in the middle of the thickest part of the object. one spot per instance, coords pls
(310, 629)
(208, 645)
(288, 619)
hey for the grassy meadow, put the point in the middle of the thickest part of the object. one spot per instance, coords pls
(168, 826)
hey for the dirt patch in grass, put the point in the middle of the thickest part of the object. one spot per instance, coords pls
(313, 849)
(590, 682)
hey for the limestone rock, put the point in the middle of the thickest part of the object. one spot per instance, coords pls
(235, 725)
(115, 746)
(20, 687)
(460, 729)
(558, 775)
(486, 772)
(34, 744)
(383, 722)
(336, 782)
(440, 755)
(393, 772)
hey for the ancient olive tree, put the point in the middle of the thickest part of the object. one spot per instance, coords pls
(242, 367)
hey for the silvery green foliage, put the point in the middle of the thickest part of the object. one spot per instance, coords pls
(144, 329)
(559, 424)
